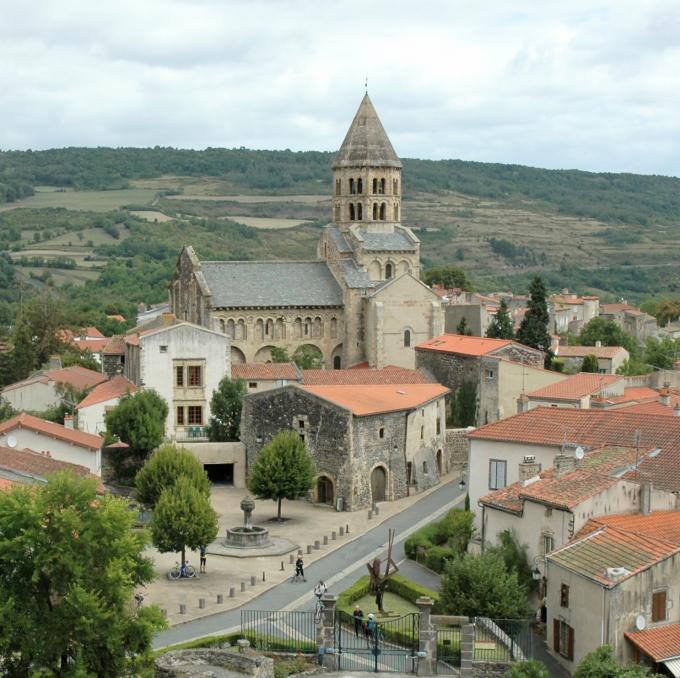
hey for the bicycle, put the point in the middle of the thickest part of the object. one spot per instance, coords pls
(318, 610)
(178, 572)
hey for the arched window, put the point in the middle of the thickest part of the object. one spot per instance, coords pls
(395, 186)
(396, 213)
(297, 328)
(359, 215)
(334, 328)
(351, 211)
(230, 329)
(269, 328)
(382, 211)
(241, 332)
(337, 362)
(382, 187)
(338, 186)
(259, 329)
(308, 327)
(222, 327)
(352, 188)
(375, 211)
(388, 271)
(407, 338)
(317, 328)
(375, 186)
(360, 186)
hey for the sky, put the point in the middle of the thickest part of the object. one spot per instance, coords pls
(585, 84)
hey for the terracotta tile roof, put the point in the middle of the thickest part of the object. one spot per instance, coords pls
(635, 394)
(388, 375)
(92, 345)
(52, 430)
(463, 345)
(583, 351)
(654, 407)
(575, 387)
(79, 377)
(114, 388)
(5, 484)
(115, 346)
(661, 525)
(657, 642)
(612, 459)
(34, 463)
(505, 499)
(609, 547)
(569, 490)
(265, 371)
(116, 316)
(615, 308)
(364, 399)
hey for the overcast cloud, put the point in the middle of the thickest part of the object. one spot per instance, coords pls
(570, 84)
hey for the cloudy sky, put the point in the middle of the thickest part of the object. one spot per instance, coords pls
(589, 84)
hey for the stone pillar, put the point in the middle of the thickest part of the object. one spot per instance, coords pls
(428, 638)
(467, 646)
(325, 632)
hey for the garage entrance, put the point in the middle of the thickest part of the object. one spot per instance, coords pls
(220, 474)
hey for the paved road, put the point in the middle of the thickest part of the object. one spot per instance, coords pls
(339, 569)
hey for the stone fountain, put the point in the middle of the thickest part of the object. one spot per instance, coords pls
(248, 536)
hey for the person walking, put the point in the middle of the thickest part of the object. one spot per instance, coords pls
(358, 615)
(300, 568)
(203, 552)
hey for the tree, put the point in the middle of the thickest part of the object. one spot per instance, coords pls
(661, 353)
(23, 350)
(501, 325)
(225, 409)
(183, 518)
(71, 562)
(530, 668)
(481, 586)
(667, 311)
(448, 277)
(608, 333)
(464, 405)
(6, 410)
(462, 328)
(600, 663)
(164, 467)
(515, 558)
(139, 421)
(282, 470)
(279, 355)
(590, 364)
(533, 331)
(308, 358)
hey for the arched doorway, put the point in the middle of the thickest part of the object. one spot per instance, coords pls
(378, 484)
(324, 490)
(440, 462)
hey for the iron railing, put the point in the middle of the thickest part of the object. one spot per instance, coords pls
(283, 631)
(502, 640)
(448, 650)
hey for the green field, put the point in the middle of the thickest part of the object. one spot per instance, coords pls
(92, 201)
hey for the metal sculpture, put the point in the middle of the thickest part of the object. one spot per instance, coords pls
(379, 581)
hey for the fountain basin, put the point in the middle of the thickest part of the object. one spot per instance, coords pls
(247, 537)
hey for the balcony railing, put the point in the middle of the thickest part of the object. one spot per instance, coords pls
(191, 433)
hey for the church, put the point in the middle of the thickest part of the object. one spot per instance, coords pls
(360, 301)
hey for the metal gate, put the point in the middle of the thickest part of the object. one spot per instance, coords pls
(448, 650)
(392, 647)
(279, 630)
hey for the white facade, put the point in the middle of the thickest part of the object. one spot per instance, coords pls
(36, 394)
(91, 418)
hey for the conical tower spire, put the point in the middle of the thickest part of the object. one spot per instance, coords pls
(366, 143)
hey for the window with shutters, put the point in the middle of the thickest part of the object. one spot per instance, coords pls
(497, 474)
(659, 606)
(564, 596)
(563, 639)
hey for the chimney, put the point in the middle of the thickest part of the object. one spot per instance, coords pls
(55, 362)
(598, 344)
(676, 410)
(68, 422)
(665, 397)
(522, 403)
(645, 497)
(563, 464)
(167, 319)
(528, 468)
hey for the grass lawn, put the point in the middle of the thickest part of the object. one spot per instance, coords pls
(94, 201)
(393, 604)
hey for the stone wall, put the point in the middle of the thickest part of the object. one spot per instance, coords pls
(212, 662)
(521, 354)
(489, 670)
(458, 448)
(449, 369)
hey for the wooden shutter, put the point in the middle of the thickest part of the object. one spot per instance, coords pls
(556, 635)
(659, 606)
(570, 644)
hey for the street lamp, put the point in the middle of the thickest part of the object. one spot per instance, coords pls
(462, 484)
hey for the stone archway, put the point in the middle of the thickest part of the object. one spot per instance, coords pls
(378, 484)
(264, 355)
(237, 356)
(325, 491)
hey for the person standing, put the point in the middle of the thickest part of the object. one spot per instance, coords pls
(370, 627)
(300, 568)
(203, 551)
(358, 615)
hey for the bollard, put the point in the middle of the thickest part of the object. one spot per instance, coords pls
(342, 531)
(263, 579)
(347, 529)
(252, 580)
(232, 592)
(182, 608)
(317, 544)
(201, 603)
(243, 586)
(334, 535)
(376, 510)
(291, 560)
(220, 599)
(325, 540)
(370, 514)
(309, 549)
(282, 566)
(243, 645)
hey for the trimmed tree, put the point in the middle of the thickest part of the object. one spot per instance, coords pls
(462, 328)
(481, 586)
(590, 364)
(183, 518)
(139, 421)
(533, 331)
(225, 410)
(162, 470)
(282, 470)
(501, 325)
(71, 562)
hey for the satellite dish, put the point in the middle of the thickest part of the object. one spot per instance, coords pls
(640, 622)
(11, 441)
(578, 453)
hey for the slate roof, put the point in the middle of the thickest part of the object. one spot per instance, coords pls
(271, 284)
(339, 239)
(657, 642)
(380, 242)
(366, 143)
(355, 277)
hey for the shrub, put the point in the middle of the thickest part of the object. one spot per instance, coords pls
(528, 669)
(436, 557)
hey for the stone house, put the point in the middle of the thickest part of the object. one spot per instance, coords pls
(40, 391)
(570, 313)
(370, 443)
(497, 450)
(609, 358)
(360, 300)
(184, 364)
(500, 369)
(617, 583)
(94, 406)
(545, 509)
(631, 320)
(54, 440)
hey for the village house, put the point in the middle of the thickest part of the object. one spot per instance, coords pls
(360, 300)
(87, 340)
(576, 391)
(92, 409)
(569, 313)
(609, 358)
(617, 583)
(631, 320)
(265, 376)
(369, 442)
(44, 389)
(499, 369)
(54, 440)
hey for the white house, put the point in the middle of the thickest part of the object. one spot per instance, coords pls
(92, 408)
(184, 363)
(57, 441)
